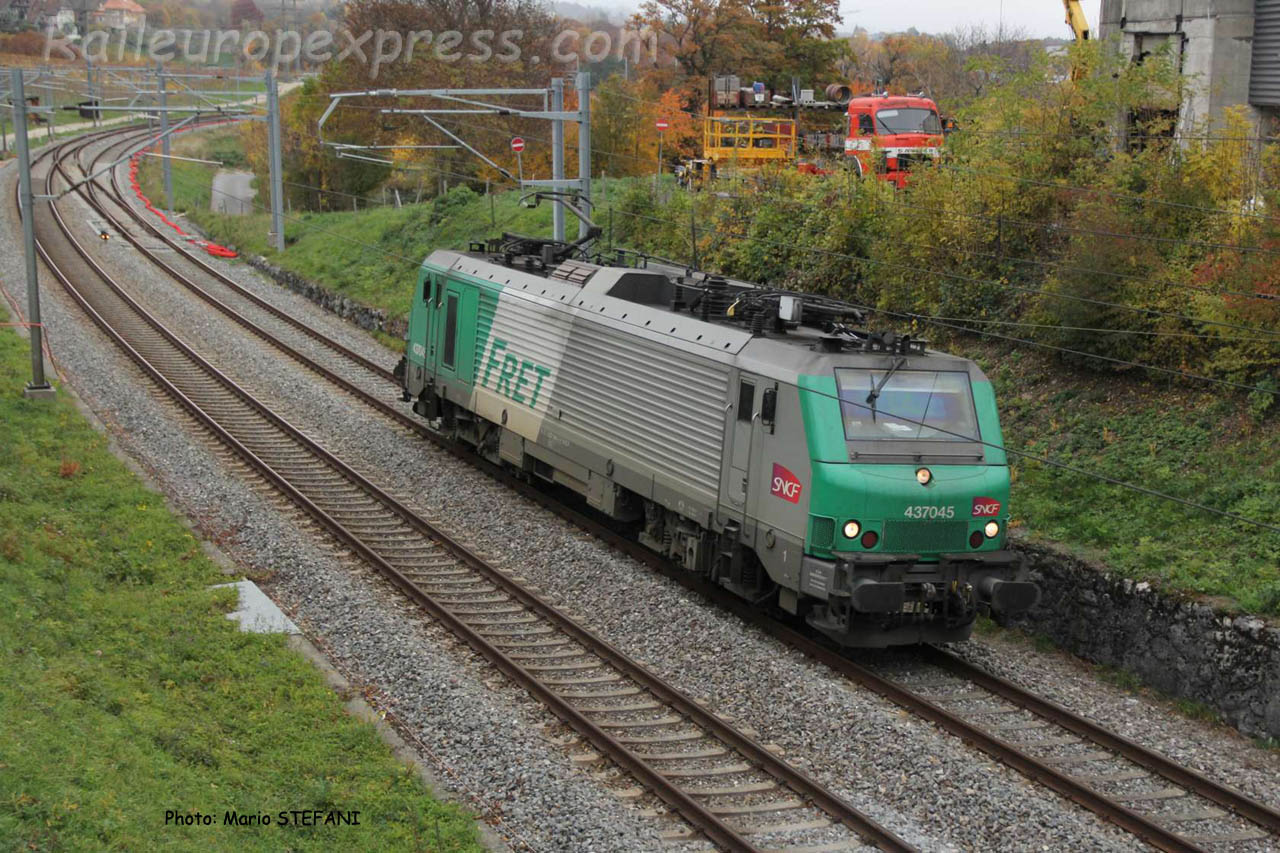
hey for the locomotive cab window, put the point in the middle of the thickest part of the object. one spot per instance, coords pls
(746, 401)
(927, 405)
(451, 332)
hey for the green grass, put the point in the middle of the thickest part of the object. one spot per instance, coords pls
(1199, 446)
(371, 257)
(125, 691)
(1185, 442)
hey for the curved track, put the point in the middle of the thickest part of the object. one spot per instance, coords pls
(1165, 804)
(716, 779)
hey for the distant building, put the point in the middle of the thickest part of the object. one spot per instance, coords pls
(1231, 49)
(120, 15)
(245, 12)
(40, 14)
(61, 19)
(13, 13)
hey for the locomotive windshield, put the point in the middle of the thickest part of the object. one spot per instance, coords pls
(932, 405)
(908, 120)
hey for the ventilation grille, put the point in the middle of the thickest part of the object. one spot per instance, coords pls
(923, 537)
(822, 531)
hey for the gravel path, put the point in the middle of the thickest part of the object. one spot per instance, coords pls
(923, 784)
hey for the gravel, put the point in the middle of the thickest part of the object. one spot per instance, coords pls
(925, 785)
(467, 722)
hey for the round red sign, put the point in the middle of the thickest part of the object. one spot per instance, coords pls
(517, 144)
(662, 125)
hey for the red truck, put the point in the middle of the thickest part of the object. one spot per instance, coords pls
(888, 134)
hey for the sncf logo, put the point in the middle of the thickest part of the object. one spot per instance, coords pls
(785, 485)
(985, 507)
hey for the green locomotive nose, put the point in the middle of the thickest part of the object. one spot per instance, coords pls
(886, 509)
(909, 502)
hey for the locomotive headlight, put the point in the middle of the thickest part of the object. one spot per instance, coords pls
(992, 529)
(852, 529)
(924, 476)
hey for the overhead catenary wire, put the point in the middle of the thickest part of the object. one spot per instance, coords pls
(1024, 261)
(647, 161)
(313, 227)
(998, 219)
(1058, 226)
(1022, 454)
(1063, 466)
(1081, 353)
(1141, 200)
(1092, 134)
(969, 279)
(911, 315)
(1001, 219)
(1274, 341)
(1015, 287)
(1053, 265)
(1154, 312)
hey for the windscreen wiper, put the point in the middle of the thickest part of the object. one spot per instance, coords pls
(876, 389)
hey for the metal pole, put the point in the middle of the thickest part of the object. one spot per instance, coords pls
(95, 94)
(164, 143)
(38, 387)
(520, 167)
(693, 233)
(557, 155)
(658, 174)
(275, 162)
(88, 85)
(4, 133)
(53, 104)
(583, 84)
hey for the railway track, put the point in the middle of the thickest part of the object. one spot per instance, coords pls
(1165, 804)
(713, 779)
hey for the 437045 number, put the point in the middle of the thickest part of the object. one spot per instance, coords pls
(930, 512)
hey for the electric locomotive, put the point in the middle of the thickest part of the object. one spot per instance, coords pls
(760, 438)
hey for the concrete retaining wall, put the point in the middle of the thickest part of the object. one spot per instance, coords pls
(370, 319)
(1179, 645)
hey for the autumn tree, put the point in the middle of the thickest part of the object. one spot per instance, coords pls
(704, 37)
(402, 25)
(798, 38)
(624, 115)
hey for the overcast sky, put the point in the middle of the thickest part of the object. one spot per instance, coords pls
(1039, 18)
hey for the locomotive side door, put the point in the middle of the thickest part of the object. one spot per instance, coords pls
(429, 331)
(743, 416)
(454, 330)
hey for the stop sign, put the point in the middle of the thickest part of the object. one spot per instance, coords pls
(662, 125)
(517, 144)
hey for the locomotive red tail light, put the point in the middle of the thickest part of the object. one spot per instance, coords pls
(869, 539)
(975, 539)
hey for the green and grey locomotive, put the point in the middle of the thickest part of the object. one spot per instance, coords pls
(756, 437)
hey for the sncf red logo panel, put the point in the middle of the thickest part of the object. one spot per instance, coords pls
(785, 485)
(985, 507)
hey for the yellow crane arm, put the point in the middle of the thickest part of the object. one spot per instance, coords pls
(1076, 20)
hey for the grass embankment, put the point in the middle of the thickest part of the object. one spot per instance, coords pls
(371, 258)
(126, 692)
(1202, 447)
(1185, 442)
